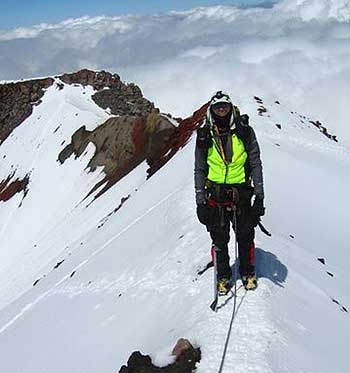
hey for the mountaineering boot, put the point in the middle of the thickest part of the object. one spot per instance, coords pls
(249, 281)
(224, 286)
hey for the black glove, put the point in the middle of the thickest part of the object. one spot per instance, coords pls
(258, 210)
(204, 213)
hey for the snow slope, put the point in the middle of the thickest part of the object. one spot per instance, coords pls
(129, 281)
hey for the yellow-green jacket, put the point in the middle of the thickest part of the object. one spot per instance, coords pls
(234, 161)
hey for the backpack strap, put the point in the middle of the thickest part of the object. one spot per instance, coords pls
(243, 129)
(204, 140)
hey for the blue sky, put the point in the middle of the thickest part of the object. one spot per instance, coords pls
(26, 13)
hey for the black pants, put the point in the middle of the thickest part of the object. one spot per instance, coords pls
(220, 234)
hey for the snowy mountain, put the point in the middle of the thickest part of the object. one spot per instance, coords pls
(87, 277)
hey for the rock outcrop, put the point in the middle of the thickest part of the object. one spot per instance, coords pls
(186, 359)
(124, 142)
(11, 186)
(17, 101)
(121, 144)
(138, 132)
(112, 93)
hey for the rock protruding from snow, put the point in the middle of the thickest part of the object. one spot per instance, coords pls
(121, 144)
(11, 186)
(181, 347)
(97, 79)
(186, 359)
(113, 94)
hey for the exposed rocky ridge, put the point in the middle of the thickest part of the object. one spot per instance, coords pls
(123, 142)
(178, 140)
(120, 98)
(17, 101)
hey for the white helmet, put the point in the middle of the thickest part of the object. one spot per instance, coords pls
(221, 96)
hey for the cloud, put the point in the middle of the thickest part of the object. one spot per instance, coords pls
(317, 9)
(296, 51)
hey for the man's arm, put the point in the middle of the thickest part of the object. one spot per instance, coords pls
(255, 164)
(200, 168)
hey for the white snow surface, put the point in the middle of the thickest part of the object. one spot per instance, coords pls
(129, 281)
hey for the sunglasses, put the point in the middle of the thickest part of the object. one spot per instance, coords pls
(221, 105)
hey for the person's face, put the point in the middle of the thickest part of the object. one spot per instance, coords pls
(221, 108)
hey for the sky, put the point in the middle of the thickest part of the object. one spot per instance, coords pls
(26, 13)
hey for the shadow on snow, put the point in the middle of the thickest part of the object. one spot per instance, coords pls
(268, 266)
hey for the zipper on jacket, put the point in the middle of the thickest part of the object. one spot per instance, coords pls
(226, 171)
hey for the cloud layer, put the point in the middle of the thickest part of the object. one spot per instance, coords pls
(298, 51)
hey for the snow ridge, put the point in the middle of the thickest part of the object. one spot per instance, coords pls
(132, 283)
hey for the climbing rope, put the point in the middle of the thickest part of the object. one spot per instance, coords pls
(235, 295)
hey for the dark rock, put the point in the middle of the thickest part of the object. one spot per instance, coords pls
(36, 281)
(121, 144)
(323, 130)
(182, 345)
(65, 153)
(17, 101)
(262, 110)
(321, 260)
(278, 126)
(57, 129)
(97, 79)
(258, 100)
(177, 140)
(139, 363)
(10, 187)
(127, 100)
(58, 264)
(184, 363)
